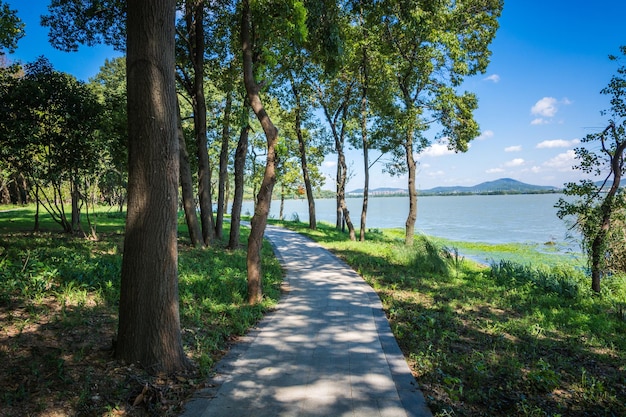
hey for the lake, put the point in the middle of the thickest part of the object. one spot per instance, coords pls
(523, 218)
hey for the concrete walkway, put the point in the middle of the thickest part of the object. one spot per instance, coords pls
(326, 351)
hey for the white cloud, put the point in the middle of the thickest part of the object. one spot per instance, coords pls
(557, 143)
(485, 135)
(535, 169)
(329, 164)
(493, 77)
(516, 148)
(563, 161)
(514, 162)
(437, 149)
(546, 107)
(494, 170)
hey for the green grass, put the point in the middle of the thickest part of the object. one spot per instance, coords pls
(523, 338)
(58, 315)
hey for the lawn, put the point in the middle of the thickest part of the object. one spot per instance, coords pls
(58, 318)
(522, 338)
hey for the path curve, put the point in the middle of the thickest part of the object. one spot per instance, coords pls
(327, 350)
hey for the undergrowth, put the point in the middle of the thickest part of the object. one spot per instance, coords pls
(512, 338)
(58, 316)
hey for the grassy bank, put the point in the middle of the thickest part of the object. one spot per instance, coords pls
(514, 339)
(58, 316)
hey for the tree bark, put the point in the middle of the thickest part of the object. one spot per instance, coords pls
(240, 162)
(149, 322)
(223, 177)
(343, 215)
(264, 197)
(341, 192)
(364, 138)
(303, 160)
(186, 184)
(339, 223)
(76, 227)
(411, 168)
(195, 23)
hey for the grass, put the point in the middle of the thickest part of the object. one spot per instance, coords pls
(515, 338)
(58, 316)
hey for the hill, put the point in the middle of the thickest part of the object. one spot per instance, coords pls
(499, 186)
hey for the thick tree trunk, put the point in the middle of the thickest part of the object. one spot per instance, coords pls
(240, 162)
(411, 168)
(264, 197)
(223, 177)
(186, 184)
(149, 322)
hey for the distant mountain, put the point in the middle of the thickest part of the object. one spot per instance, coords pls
(500, 186)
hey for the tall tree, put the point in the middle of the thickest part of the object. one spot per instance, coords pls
(264, 197)
(336, 97)
(186, 185)
(300, 114)
(240, 162)
(598, 202)
(195, 20)
(429, 47)
(51, 123)
(149, 322)
(110, 85)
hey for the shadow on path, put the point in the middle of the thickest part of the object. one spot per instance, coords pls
(326, 351)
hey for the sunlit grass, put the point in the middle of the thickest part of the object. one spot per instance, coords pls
(517, 338)
(70, 286)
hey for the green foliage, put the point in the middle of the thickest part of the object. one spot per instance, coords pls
(598, 205)
(562, 280)
(11, 28)
(55, 287)
(74, 22)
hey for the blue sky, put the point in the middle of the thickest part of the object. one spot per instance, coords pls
(539, 97)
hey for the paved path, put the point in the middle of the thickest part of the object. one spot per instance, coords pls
(326, 351)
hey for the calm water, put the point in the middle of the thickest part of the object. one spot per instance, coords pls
(526, 218)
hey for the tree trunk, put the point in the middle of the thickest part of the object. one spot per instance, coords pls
(36, 227)
(342, 193)
(149, 322)
(240, 162)
(281, 212)
(195, 23)
(264, 197)
(598, 246)
(223, 177)
(412, 216)
(186, 184)
(76, 227)
(339, 223)
(364, 139)
(303, 161)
